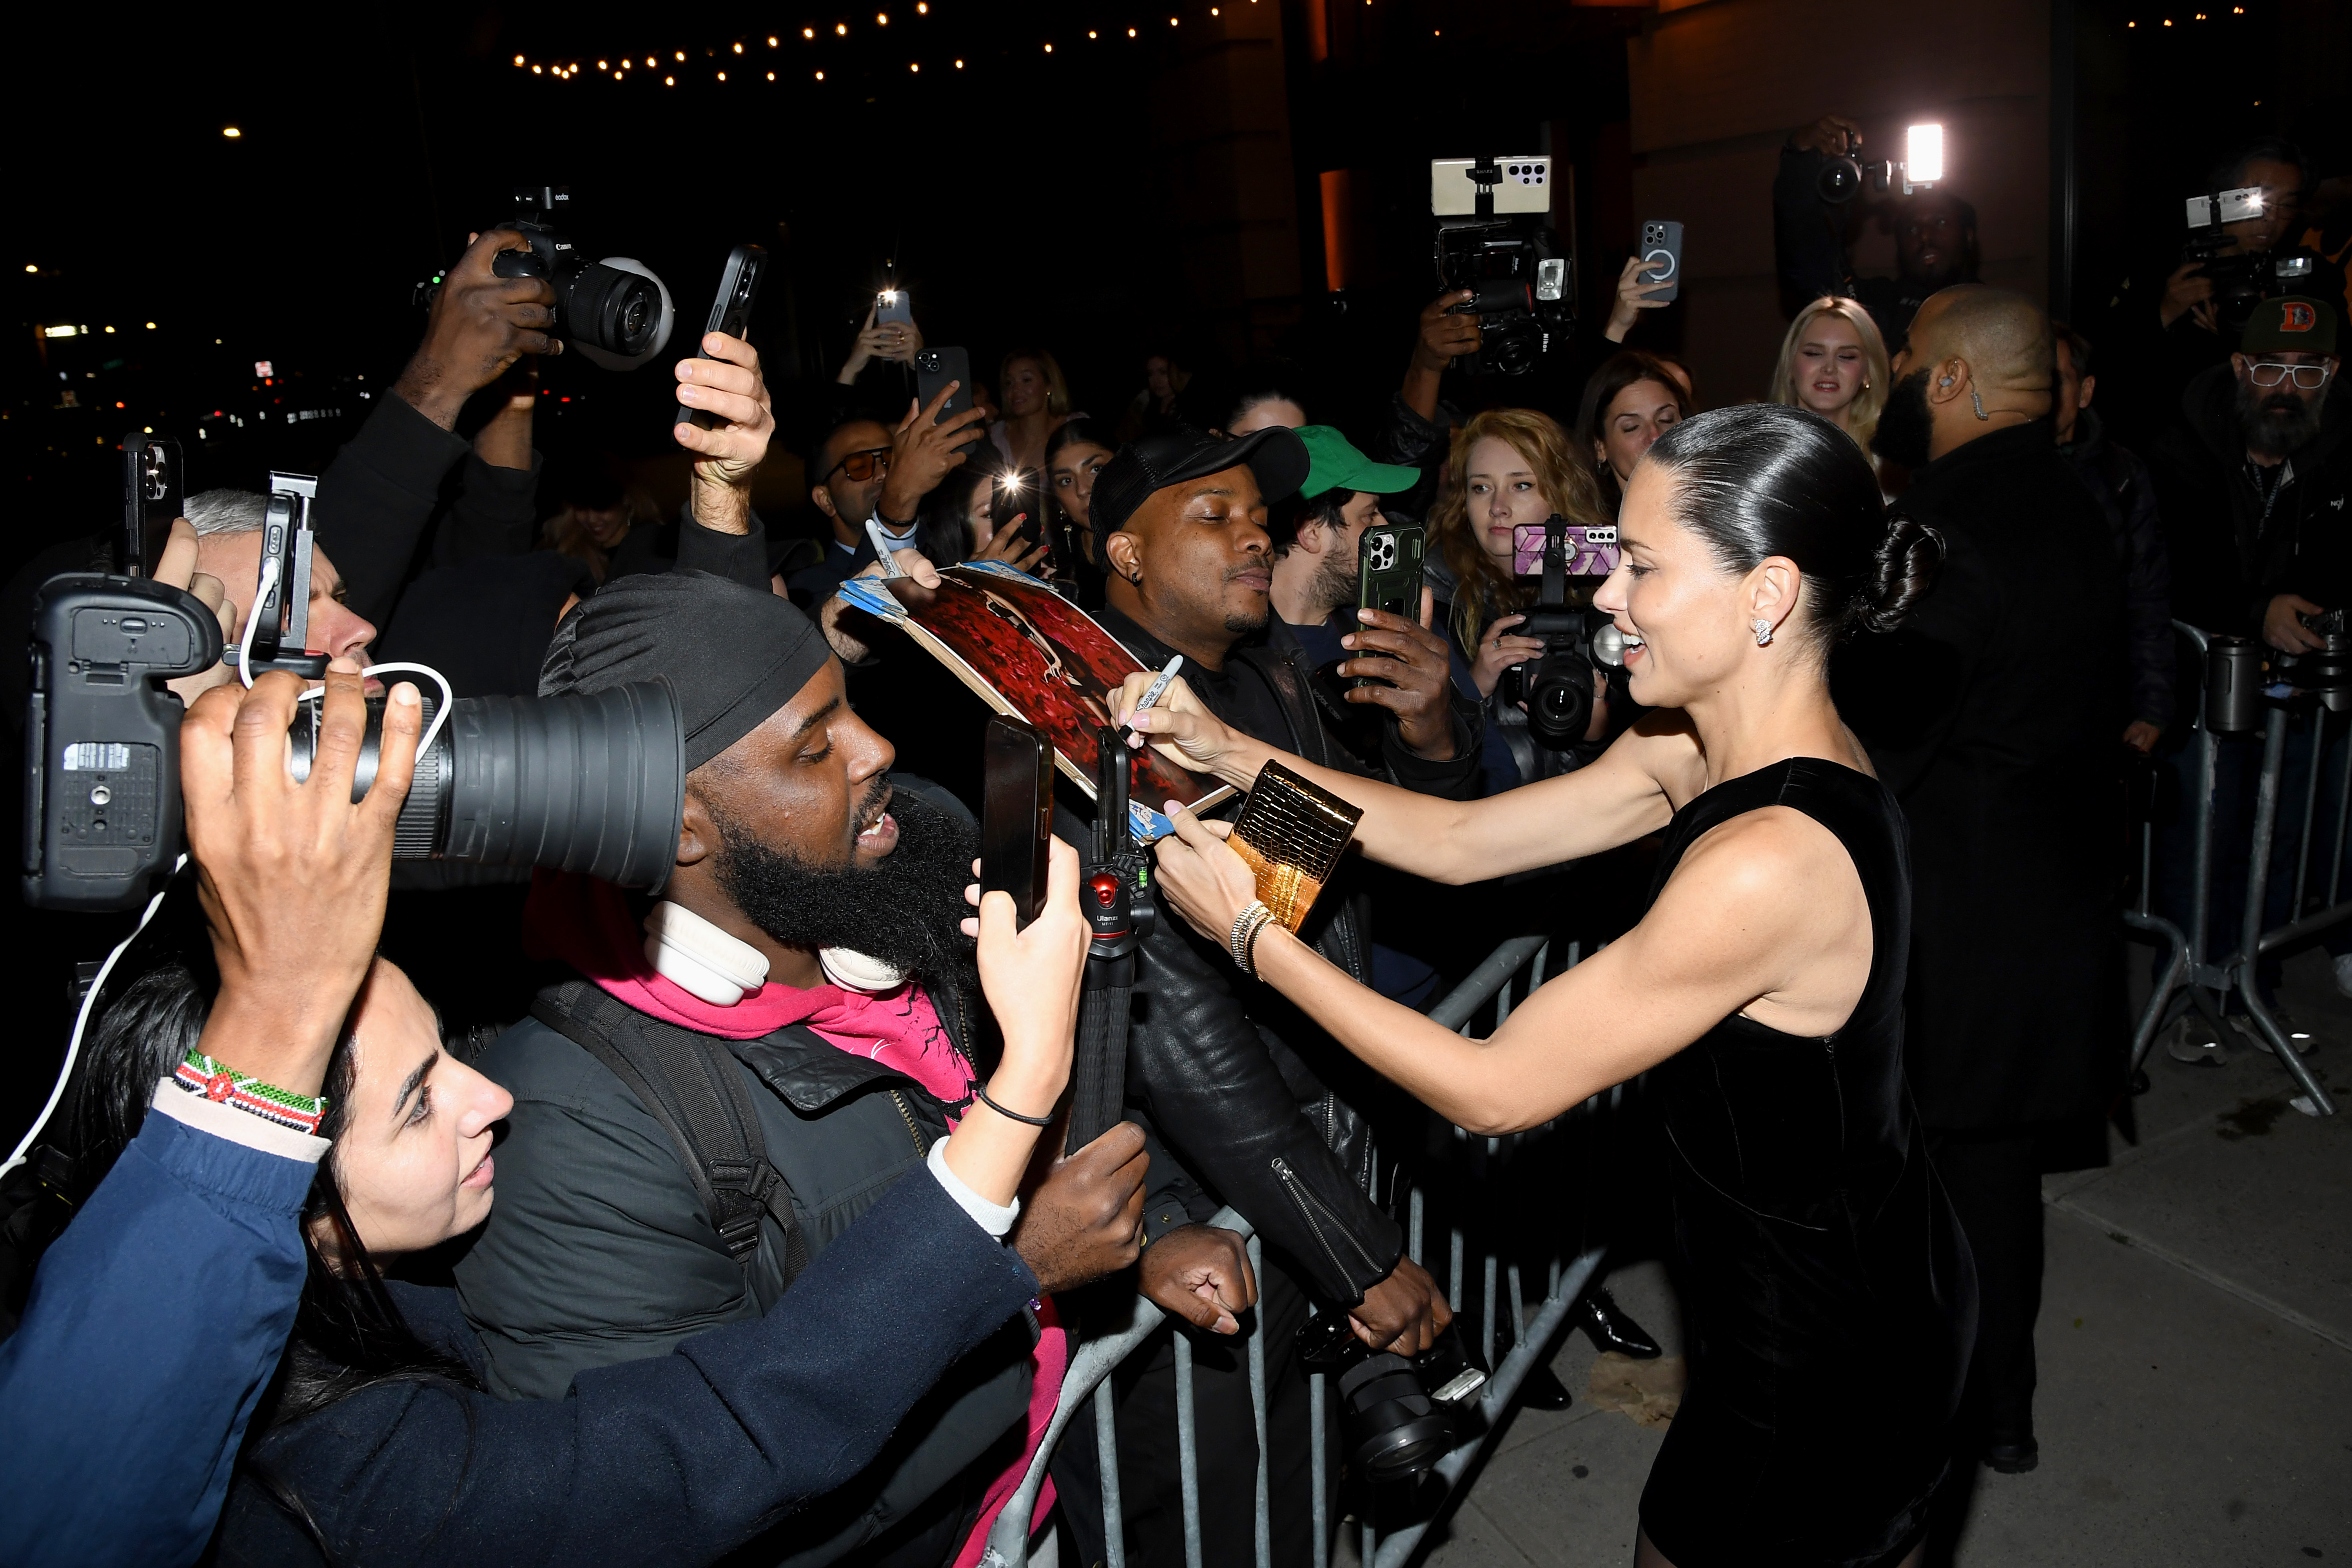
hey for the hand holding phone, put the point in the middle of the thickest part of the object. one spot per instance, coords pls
(1662, 258)
(730, 312)
(154, 492)
(1387, 573)
(934, 369)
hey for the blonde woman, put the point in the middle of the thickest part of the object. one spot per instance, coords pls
(1509, 468)
(1833, 364)
(1036, 400)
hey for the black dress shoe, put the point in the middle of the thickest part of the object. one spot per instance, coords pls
(1544, 1391)
(1610, 1329)
(2012, 1455)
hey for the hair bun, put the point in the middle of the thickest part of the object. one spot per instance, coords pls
(1903, 570)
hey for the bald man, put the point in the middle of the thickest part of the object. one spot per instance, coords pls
(1993, 716)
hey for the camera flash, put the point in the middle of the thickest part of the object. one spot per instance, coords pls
(1924, 154)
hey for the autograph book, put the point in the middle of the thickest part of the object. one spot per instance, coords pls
(1031, 655)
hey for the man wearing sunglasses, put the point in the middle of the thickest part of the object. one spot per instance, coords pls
(864, 468)
(2261, 444)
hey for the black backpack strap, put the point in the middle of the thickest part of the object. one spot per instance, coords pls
(698, 1095)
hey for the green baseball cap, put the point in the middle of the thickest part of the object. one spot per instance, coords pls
(1333, 463)
(2289, 324)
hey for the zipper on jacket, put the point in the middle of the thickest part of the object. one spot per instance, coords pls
(1313, 1210)
(921, 1149)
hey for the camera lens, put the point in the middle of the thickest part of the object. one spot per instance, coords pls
(1395, 1431)
(608, 309)
(591, 782)
(1840, 178)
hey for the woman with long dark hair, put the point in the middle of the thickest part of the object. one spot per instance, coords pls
(1631, 401)
(1762, 989)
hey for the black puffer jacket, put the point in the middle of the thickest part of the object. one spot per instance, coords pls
(1255, 1102)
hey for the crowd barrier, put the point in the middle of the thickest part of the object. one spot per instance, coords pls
(1514, 969)
(2192, 979)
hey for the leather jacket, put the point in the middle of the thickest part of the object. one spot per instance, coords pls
(1255, 1104)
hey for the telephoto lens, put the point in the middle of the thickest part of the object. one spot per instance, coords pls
(586, 782)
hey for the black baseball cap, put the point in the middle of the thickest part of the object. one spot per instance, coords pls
(1274, 454)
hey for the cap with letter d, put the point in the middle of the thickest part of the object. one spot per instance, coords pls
(2290, 324)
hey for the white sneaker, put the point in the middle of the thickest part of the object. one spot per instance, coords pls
(2344, 974)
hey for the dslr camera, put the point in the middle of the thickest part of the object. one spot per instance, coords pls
(1495, 244)
(2241, 279)
(1558, 685)
(1399, 1414)
(614, 311)
(586, 782)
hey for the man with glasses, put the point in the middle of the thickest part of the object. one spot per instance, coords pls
(865, 470)
(2259, 444)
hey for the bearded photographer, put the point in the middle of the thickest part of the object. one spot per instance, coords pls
(2006, 767)
(2263, 448)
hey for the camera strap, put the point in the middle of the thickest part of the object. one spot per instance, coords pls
(695, 1089)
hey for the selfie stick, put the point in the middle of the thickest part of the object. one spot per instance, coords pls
(1100, 1074)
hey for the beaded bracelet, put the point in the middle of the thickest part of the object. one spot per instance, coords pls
(1243, 937)
(200, 1074)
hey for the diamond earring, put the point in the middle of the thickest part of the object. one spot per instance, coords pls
(1763, 630)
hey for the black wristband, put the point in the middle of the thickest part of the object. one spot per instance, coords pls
(981, 1090)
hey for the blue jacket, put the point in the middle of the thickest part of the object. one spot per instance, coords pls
(153, 1324)
(672, 1460)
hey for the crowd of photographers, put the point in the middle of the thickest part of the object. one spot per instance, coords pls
(787, 1253)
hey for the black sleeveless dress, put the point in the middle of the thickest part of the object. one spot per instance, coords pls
(1830, 1297)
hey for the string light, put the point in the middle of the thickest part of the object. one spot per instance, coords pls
(681, 56)
(601, 66)
(820, 75)
(771, 76)
(1130, 32)
(841, 29)
(1090, 32)
(738, 49)
(882, 18)
(922, 7)
(772, 42)
(808, 32)
(231, 131)
(723, 76)
(534, 70)
(1049, 48)
(518, 59)
(916, 65)
(669, 81)
(959, 67)
(649, 62)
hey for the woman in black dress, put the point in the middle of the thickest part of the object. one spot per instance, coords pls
(1831, 1297)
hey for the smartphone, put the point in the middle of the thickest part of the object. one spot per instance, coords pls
(1017, 816)
(730, 311)
(2225, 206)
(1388, 572)
(1020, 493)
(893, 305)
(1662, 247)
(1592, 551)
(1525, 187)
(154, 492)
(934, 368)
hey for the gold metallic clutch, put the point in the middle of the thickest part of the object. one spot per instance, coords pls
(1292, 833)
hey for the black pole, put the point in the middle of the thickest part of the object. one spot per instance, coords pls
(1110, 894)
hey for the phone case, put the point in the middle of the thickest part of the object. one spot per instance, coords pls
(1292, 833)
(1017, 815)
(1592, 551)
(1388, 572)
(730, 310)
(1662, 243)
(154, 485)
(894, 305)
(934, 368)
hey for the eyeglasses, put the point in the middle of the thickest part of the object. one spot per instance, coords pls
(2310, 377)
(859, 467)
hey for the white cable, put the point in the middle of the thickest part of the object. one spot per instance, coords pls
(440, 714)
(81, 1021)
(253, 622)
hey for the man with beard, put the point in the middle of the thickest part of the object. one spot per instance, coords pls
(2258, 442)
(2261, 447)
(801, 986)
(1935, 235)
(1994, 715)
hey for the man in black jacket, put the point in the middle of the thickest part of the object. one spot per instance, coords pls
(1935, 235)
(2120, 482)
(1994, 715)
(2255, 483)
(1256, 1106)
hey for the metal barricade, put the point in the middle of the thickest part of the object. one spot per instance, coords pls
(2192, 979)
(1086, 1385)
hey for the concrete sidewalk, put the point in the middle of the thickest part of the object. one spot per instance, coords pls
(2195, 1348)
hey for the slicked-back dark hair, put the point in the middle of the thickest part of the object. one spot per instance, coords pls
(1762, 480)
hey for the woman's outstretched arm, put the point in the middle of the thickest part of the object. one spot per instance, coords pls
(1749, 914)
(1616, 800)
